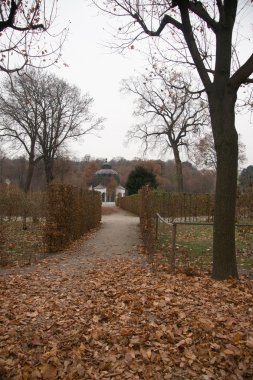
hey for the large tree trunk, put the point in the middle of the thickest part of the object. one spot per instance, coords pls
(226, 145)
(29, 176)
(179, 171)
(48, 164)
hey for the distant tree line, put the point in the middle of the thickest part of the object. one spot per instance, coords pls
(246, 177)
(81, 172)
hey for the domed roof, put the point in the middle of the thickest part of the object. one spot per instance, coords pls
(106, 169)
(104, 175)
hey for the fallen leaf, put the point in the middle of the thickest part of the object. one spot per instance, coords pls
(146, 353)
(49, 372)
(249, 342)
(80, 369)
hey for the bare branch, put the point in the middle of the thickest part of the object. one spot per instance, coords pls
(164, 22)
(21, 25)
(43, 113)
(170, 114)
(189, 38)
(242, 74)
(198, 8)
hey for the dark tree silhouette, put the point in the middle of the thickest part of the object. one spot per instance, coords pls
(138, 178)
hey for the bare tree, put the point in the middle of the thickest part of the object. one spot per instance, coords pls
(65, 114)
(171, 113)
(42, 112)
(203, 152)
(23, 26)
(20, 118)
(202, 35)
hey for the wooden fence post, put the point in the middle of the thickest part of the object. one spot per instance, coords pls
(173, 255)
(156, 226)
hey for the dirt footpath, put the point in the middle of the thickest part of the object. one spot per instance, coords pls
(117, 237)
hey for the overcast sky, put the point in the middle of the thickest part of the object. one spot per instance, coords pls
(97, 70)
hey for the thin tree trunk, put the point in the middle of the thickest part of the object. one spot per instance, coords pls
(24, 217)
(226, 145)
(27, 186)
(179, 171)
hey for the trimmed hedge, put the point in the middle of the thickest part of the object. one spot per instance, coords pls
(71, 212)
(244, 204)
(130, 203)
(187, 206)
(184, 207)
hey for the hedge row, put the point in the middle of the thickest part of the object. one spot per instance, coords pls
(64, 214)
(71, 212)
(14, 203)
(244, 204)
(186, 206)
(130, 203)
(177, 207)
(147, 209)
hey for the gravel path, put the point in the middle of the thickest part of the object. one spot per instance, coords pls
(117, 237)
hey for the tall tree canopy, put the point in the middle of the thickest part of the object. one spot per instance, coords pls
(170, 114)
(203, 36)
(41, 113)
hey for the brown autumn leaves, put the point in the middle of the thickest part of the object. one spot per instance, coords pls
(117, 320)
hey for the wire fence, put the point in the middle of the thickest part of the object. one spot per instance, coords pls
(180, 227)
(193, 249)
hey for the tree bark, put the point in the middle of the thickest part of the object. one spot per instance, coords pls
(179, 171)
(31, 165)
(222, 111)
(48, 170)
(222, 98)
(29, 176)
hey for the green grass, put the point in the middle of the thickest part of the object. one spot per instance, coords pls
(194, 246)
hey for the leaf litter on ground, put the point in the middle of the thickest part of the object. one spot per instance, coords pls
(119, 320)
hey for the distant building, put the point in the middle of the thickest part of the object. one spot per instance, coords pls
(107, 182)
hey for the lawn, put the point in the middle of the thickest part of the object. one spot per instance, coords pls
(194, 246)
